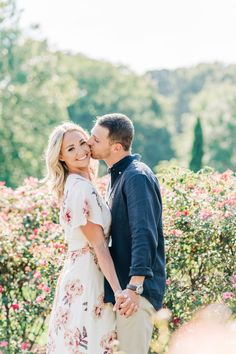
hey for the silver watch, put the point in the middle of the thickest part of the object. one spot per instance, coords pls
(138, 288)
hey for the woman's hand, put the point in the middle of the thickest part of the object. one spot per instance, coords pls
(127, 303)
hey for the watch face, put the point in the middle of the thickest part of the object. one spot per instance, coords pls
(139, 289)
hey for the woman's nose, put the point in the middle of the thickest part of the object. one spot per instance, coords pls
(90, 141)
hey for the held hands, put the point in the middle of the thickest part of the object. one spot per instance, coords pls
(127, 302)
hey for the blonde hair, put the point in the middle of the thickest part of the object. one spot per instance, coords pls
(57, 171)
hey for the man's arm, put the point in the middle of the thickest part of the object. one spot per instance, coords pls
(144, 212)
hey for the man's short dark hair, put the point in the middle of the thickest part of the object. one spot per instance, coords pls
(120, 127)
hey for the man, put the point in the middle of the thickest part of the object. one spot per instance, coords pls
(137, 245)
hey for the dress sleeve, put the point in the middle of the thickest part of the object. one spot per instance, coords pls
(82, 204)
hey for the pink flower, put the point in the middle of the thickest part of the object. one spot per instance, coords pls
(176, 321)
(233, 280)
(205, 214)
(182, 213)
(40, 286)
(32, 237)
(176, 232)
(31, 181)
(27, 269)
(48, 225)
(3, 343)
(56, 245)
(25, 345)
(1, 289)
(4, 216)
(46, 289)
(15, 306)
(227, 295)
(22, 238)
(199, 191)
(225, 176)
(228, 214)
(44, 213)
(37, 275)
(36, 231)
(42, 262)
(216, 190)
(2, 183)
(168, 281)
(40, 298)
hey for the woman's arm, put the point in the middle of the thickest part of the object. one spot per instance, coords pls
(95, 236)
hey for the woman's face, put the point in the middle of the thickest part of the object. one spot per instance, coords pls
(75, 152)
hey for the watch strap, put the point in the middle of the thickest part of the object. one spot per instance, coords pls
(131, 287)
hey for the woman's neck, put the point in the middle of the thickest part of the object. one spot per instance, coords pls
(83, 173)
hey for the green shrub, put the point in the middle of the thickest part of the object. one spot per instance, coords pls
(200, 231)
(32, 249)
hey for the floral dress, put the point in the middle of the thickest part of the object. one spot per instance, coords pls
(80, 322)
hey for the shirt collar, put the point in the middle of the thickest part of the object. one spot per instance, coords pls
(118, 168)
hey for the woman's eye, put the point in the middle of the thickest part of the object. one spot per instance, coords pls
(84, 142)
(70, 149)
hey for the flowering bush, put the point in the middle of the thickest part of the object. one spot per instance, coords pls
(200, 230)
(32, 249)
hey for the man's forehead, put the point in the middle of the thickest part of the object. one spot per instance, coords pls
(99, 131)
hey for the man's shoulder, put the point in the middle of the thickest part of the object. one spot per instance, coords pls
(137, 172)
(137, 167)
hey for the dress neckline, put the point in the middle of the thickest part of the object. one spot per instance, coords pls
(76, 175)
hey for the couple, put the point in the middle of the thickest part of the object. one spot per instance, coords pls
(90, 312)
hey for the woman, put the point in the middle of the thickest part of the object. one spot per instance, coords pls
(80, 321)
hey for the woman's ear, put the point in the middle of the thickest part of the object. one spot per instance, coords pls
(60, 158)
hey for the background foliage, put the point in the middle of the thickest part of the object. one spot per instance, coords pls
(40, 88)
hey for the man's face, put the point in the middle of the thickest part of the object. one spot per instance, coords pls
(99, 143)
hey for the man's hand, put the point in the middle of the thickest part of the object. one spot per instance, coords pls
(127, 303)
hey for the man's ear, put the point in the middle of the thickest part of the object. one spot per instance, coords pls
(117, 147)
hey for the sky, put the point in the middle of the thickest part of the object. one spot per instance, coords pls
(141, 34)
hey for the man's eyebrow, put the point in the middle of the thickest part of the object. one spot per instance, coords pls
(92, 133)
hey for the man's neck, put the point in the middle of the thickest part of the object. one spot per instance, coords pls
(112, 160)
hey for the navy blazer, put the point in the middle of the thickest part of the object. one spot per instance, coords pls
(137, 242)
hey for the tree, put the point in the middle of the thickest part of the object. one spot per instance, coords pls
(197, 149)
(35, 90)
(216, 106)
(105, 88)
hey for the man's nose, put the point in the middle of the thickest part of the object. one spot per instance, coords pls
(89, 141)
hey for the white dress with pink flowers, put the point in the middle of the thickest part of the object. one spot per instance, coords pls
(80, 322)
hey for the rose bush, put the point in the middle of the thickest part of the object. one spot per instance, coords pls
(32, 251)
(200, 231)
